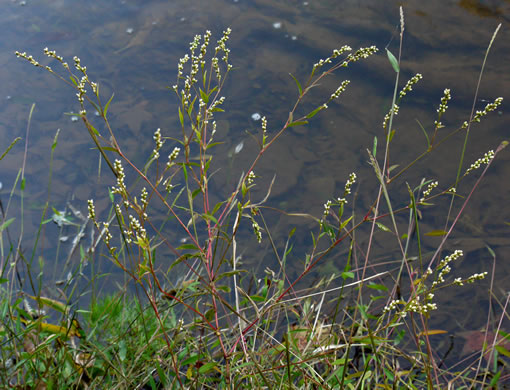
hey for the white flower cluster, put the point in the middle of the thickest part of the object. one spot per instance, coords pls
(172, 156)
(80, 85)
(137, 228)
(250, 178)
(423, 308)
(92, 210)
(221, 46)
(487, 157)
(180, 65)
(442, 107)
(78, 66)
(216, 103)
(349, 183)
(409, 86)
(119, 170)
(144, 198)
(444, 101)
(168, 185)
(340, 89)
(257, 230)
(444, 267)
(107, 235)
(414, 305)
(159, 143)
(429, 189)
(488, 108)
(339, 52)
(327, 207)
(213, 129)
(28, 58)
(387, 117)
(336, 53)
(471, 279)
(216, 66)
(264, 130)
(340, 200)
(203, 48)
(52, 54)
(363, 52)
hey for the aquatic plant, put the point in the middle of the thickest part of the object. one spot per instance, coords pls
(217, 324)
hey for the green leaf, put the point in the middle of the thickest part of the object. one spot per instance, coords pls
(54, 304)
(375, 286)
(347, 275)
(228, 274)
(392, 133)
(314, 112)
(374, 148)
(6, 224)
(257, 298)
(3, 280)
(393, 167)
(122, 350)
(503, 334)
(54, 144)
(195, 193)
(502, 350)
(436, 233)
(383, 227)
(491, 251)
(187, 246)
(10, 147)
(495, 380)
(207, 367)
(224, 289)
(344, 223)
(393, 61)
(22, 184)
(181, 119)
(110, 149)
(107, 105)
(210, 217)
(363, 311)
(93, 129)
(424, 132)
(191, 360)
(185, 173)
(297, 83)
(214, 144)
(204, 96)
(190, 108)
(96, 107)
(297, 123)
(216, 208)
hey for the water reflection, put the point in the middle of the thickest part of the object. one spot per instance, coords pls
(132, 48)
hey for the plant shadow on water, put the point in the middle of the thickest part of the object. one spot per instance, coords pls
(189, 256)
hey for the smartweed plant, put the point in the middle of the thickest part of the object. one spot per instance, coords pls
(218, 326)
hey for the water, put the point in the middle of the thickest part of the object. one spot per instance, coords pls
(132, 49)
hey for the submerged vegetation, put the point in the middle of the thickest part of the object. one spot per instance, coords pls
(196, 315)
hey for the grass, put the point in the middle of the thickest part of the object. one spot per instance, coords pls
(191, 313)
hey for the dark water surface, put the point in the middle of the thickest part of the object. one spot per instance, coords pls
(132, 48)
